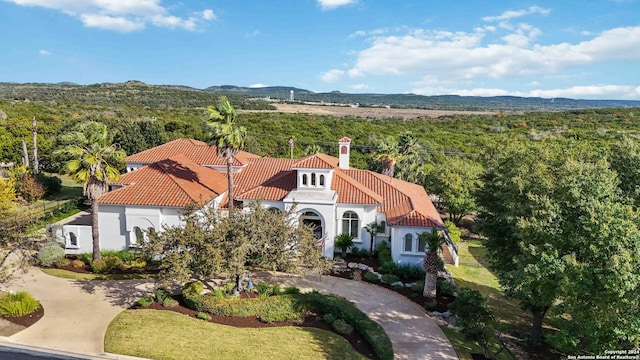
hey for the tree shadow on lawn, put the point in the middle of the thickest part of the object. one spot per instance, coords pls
(123, 293)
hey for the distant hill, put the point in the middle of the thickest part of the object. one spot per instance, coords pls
(138, 94)
(439, 102)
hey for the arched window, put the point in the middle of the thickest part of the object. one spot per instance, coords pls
(274, 210)
(408, 243)
(73, 239)
(304, 179)
(313, 179)
(321, 180)
(350, 224)
(139, 235)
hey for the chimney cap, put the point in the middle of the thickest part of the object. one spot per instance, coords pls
(345, 139)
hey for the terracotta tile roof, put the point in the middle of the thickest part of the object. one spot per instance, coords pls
(197, 151)
(316, 161)
(175, 182)
(352, 192)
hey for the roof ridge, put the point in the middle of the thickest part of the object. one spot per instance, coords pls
(362, 188)
(277, 176)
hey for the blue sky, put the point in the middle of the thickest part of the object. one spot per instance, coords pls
(577, 49)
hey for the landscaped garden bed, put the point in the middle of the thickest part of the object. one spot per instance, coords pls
(20, 308)
(268, 306)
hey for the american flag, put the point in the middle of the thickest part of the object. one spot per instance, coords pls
(320, 242)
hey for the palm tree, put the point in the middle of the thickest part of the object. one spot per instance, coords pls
(227, 136)
(373, 229)
(388, 153)
(432, 262)
(93, 161)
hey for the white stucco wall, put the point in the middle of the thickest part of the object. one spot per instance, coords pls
(366, 215)
(397, 245)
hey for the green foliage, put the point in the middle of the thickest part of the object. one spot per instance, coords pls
(359, 252)
(106, 264)
(445, 288)
(61, 262)
(453, 231)
(52, 184)
(203, 316)
(389, 278)
(342, 327)
(474, 317)
(18, 304)
(291, 290)
(329, 318)
(370, 277)
(276, 290)
(384, 257)
(77, 263)
(145, 301)
(267, 309)
(418, 286)
(263, 289)
(169, 302)
(430, 305)
(344, 242)
(161, 294)
(210, 244)
(408, 272)
(135, 264)
(49, 253)
(193, 288)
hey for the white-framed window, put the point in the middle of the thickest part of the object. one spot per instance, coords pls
(313, 179)
(321, 180)
(413, 244)
(383, 228)
(304, 179)
(351, 224)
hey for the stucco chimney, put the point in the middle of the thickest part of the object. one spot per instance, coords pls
(344, 145)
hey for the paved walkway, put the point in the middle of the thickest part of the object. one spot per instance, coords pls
(77, 313)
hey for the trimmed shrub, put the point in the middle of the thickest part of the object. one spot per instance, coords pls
(329, 318)
(359, 252)
(291, 290)
(203, 315)
(49, 253)
(430, 305)
(409, 272)
(370, 277)
(341, 327)
(220, 293)
(270, 309)
(145, 301)
(77, 263)
(61, 262)
(389, 278)
(106, 264)
(161, 294)
(388, 266)
(135, 264)
(445, 288)
(123, 255)
(169, 302)
(418, 286)
(18, 304)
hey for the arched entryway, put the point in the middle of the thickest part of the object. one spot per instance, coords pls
(313, 219)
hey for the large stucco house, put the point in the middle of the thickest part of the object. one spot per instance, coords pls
(326, 191)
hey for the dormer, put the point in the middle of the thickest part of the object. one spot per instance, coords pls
(315, 172)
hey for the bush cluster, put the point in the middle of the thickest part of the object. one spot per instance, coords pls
(389, 278)
(445, 288)
(203, 315)
(370, 277)
(50, 253)
(106, 264)
(384, 257)
(18, 304)
(145, 301)
(341, 327)
(359, 252)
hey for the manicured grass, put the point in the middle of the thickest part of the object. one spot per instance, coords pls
(66, 274)
(473, 273)
(163, 335)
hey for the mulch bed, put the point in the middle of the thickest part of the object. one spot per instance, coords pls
(311, 320)
(27, 320)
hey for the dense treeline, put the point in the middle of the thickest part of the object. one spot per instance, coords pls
(139, 128)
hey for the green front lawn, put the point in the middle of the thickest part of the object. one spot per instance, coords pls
(163, 335)
(473, 273)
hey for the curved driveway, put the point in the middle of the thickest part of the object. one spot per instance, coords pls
(77, 313)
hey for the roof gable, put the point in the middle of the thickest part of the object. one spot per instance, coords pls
(316, 161)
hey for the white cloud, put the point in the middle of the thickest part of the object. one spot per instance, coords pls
(332, 75)
(122, 15)
(512, 14)
(447, 57)
(332, 4)
(253, 33)
(575, 92)
(360, 87)
(208, 15)
(44, 52)
(258, 85)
